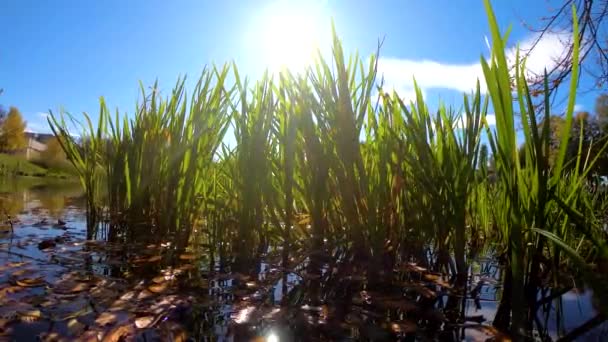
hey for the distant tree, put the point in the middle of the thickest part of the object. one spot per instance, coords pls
(601, 111)
(586, 133)
(53, 155)
(2, 109)
(556, 125)
(3, 113)
(12, 131)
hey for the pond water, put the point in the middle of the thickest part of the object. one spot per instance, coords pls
(56, 286)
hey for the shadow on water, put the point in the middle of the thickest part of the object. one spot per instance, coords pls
(56, 285)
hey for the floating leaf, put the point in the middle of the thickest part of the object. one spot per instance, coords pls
(69, 309)
(404, 327)
(143, 322)
(119, 333)
(23, 271)
(158, 288)
(52, 336)
(159, 279)
(75, 328)
(122, 305)
(187, 256)
(8, 290)
(128, 295)
(437, 279)
(15, 264)
(486, 333)
(138, 260)
(30, 315)
(155, 258)
(30, 282)
(186, 267)
(70, 287)
(144, 294)
(107, 318)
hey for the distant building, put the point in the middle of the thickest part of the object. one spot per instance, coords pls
(36, 144)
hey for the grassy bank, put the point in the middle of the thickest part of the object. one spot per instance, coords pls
(11, 165)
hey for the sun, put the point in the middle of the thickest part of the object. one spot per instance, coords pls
(290, 34)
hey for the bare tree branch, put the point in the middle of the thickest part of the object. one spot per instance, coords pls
(592, 35)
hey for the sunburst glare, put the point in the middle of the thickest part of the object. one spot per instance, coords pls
(289, 33)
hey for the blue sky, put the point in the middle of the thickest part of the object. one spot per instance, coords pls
(67, 53)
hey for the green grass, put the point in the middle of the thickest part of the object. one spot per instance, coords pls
(17, 165)
(11, 165)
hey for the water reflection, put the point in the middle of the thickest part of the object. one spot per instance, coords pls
(39, 197)
(274, 304)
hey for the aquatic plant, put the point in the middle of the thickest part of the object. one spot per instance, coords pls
(350, 181)
(158, 158)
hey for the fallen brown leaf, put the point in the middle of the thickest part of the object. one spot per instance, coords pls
(106, 318)
(155, 258)
(487, 333)
(21, 272)
(158, 288)
(159, 279)
(8, 290)
(404, 327)
(75, 328)
(186, 267)
(119, 333)
(437, 279)
(30, 282)
(70, 287)
(186, 256)
(143, 322)
(30, 315)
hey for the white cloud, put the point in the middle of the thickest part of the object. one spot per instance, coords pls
(399, 73)
(579, 107)
(547, 53)
(37, 123)
(36, 127)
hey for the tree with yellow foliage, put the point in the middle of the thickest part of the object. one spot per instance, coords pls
(12, 131)
(53, 155)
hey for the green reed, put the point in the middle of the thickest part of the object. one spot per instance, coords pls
(157, 158)
(539, 199)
